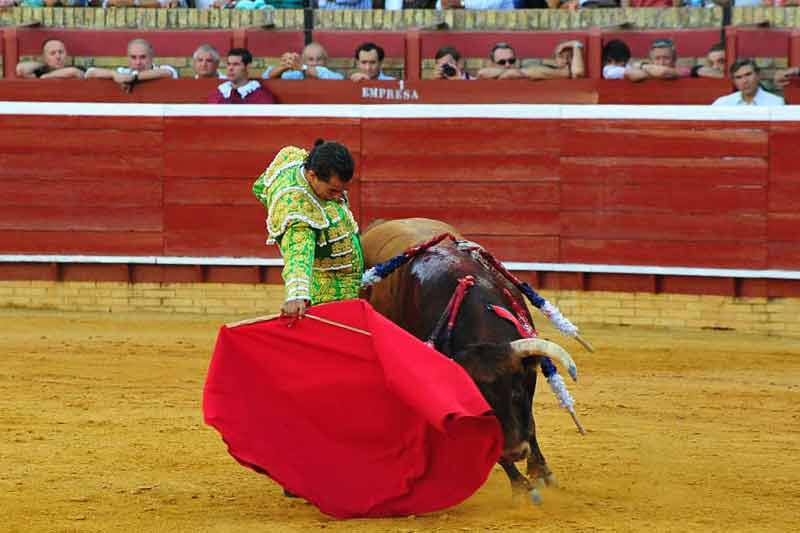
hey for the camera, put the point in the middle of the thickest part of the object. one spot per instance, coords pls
(449, 70)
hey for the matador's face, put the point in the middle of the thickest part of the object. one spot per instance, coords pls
(333, 189)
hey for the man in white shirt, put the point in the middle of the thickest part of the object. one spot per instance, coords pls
(744, 74)
(140, 67)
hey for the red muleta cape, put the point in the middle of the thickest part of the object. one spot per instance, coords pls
(360, 426)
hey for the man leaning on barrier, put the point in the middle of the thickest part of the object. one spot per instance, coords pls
(140, 67)
(311, 64)
(52, 64)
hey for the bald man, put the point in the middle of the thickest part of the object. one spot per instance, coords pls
(52, 64)
(140, 67)
(310, 65)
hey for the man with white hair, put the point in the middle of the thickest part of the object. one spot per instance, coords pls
(140, 67)
(205, 62)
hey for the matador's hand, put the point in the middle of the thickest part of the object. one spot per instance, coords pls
(294, 308)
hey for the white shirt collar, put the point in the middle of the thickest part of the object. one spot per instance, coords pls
(226, 88)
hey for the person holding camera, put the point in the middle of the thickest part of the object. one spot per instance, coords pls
(450, 65)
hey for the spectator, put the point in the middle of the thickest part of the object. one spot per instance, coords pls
(782, 78)
(450, 65)
(140, 67)
(616, 61)
(744, 75)
(205, 62)
(714, 66)
(568, 63)
(240, 89)
(664, 56)
(311, 65)
(369, 62)
(617, 66)
(504, 64)
(52, 64)
(497, 5)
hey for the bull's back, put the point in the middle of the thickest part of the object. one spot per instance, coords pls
(396, 297)
(383, 241)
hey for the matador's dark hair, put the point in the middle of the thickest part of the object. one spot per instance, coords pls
(328, 158)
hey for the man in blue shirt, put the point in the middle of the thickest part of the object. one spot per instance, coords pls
(369, 62)
(311, 65)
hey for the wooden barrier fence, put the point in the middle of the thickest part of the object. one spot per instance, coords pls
(678, 187)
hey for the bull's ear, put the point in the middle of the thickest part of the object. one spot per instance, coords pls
(485, 362)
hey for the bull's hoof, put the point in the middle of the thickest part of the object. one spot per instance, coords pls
(535, 496)
(550, 480)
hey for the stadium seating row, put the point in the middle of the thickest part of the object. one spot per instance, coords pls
(407, 53)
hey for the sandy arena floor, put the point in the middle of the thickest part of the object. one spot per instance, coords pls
(101, 430)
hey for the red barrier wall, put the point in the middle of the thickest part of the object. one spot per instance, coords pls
(582, 91)
(632, 192)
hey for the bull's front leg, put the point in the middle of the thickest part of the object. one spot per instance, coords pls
(538, 470)
(521, 487)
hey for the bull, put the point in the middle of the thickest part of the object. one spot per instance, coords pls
(489, 347)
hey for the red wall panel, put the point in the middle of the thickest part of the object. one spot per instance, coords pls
(674, 169)
(691, 253)
(663, 138)
(663, 226)
(87, 162)
(489, 209)
(635, 192)
(82, 242)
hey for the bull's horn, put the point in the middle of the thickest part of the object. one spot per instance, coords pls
(523, 348)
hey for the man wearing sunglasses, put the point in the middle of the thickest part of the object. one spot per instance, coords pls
(567, 63)
(504, 65)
